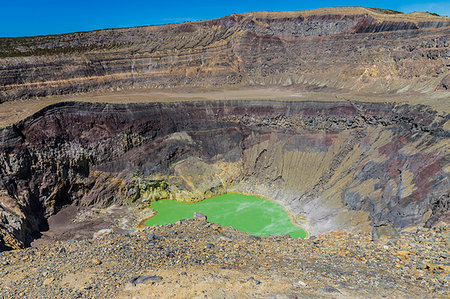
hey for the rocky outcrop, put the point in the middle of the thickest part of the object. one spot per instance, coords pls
(333, 165)
(349, 49)
(444, 85)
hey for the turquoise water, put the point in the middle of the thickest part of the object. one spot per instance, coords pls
(250, 214)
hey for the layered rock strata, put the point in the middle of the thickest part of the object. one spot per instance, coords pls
(348, 49)
(331, 165)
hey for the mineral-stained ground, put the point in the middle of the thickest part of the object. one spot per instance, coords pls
(340, 115)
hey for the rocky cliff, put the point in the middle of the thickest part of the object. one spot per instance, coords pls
(351, 49)
(331, 165)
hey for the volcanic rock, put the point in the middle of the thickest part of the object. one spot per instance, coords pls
(347, 48)
(198, 215)
(351, 163)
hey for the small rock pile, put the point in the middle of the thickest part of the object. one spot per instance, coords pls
(195, 258)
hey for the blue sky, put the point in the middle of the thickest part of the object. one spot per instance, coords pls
(38, 17)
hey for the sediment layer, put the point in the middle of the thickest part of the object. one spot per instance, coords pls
(345, 165)
(352, 49)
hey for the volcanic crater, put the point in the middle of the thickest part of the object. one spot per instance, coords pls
(335, 165)
(340, 115)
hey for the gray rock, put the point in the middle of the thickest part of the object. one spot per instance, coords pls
(330, 289)
(198, 215)
(144, 279)
(255, 281)
(153, 237)
(103, 232)
(386, 230)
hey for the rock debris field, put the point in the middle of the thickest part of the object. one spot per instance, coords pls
(195, 258)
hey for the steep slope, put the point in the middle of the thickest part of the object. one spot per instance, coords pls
(352, 49)
(331, 165)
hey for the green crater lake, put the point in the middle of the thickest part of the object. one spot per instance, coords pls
(250, 214)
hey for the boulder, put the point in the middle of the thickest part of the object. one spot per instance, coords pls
(384, 232)
(198, 215)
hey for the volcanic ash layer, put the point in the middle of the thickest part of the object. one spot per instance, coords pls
(345, 165)
(352, 49)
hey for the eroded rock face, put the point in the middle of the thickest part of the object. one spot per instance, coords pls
(332, 165)
(349, 49)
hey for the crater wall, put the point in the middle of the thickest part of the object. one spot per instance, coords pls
(348, 49)
(345, 165)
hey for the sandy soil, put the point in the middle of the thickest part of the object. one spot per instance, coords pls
(198, 259)
(79, 223)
